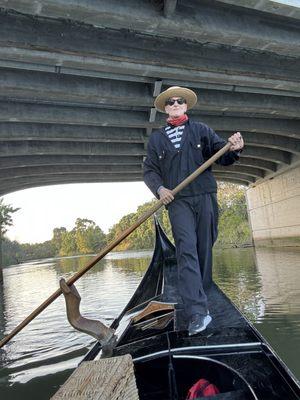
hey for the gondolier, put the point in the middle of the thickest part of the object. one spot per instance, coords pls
(173, 153)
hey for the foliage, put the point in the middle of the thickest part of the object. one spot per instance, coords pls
(12, 251)
(57, 238)
(38, 250)
(86, 237)
(6, 212)
(143, 236)
(5, 216)
(234, 229)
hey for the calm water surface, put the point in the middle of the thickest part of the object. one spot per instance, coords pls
(263, 283)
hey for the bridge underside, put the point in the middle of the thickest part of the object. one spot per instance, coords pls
(78, 81)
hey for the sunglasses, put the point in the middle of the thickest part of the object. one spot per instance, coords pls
(171, 102)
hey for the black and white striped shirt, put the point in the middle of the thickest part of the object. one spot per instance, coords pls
(174, 133)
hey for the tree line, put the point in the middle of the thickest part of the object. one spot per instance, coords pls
(86, 237)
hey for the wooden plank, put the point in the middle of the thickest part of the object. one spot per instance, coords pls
(105, 379)
(153, 307)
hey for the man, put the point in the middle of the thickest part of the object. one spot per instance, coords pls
(173, 153)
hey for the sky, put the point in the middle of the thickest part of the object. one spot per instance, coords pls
(45, 208)
(295, 3)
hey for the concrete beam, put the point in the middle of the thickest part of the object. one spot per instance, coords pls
(40, 113)
(88, 91)
(230, 177)
(19, 183)
(157, 87)
(248, 103)
(65, 44)
(92, 92)
(221, 25)
(37, 113)
(64, 160)
(267, 166)
(275, 156)
(283, 127)
(12, 131)
(152, 116)
(108, 170)
(169, 8)
(189, 75)
(292, 145)
(13, 149)
(270, 141)
(19, 162)
(239, 169)
(83, 72)
(44, 171)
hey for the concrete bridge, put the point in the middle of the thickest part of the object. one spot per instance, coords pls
(78, 80)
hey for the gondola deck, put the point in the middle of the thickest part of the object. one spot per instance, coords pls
(230, 353)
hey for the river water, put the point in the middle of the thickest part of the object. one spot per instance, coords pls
(263, 283)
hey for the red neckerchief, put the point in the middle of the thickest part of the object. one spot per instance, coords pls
(178, 121)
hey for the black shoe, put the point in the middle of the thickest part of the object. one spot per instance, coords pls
(198, 323)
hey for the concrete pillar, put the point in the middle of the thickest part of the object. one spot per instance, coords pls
(274, 210)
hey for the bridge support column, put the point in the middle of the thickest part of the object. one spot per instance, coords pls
(274, 210)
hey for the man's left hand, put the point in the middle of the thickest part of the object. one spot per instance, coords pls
(237, 141)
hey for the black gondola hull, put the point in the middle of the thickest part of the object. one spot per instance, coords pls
(230, 353)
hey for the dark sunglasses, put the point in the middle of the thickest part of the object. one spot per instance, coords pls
(171, 102)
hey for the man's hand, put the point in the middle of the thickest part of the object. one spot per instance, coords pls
(237, 141)
(165, 195)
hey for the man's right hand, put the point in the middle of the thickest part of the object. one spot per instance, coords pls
(165, 195)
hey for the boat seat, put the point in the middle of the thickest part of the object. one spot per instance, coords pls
(105, 379)
(153, 308)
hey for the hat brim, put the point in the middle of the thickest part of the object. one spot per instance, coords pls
(187, 94)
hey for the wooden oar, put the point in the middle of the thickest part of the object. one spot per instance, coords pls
(114, 243)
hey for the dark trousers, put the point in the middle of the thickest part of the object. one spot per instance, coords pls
(194, 223)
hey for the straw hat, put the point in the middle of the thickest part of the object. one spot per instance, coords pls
(175, 91)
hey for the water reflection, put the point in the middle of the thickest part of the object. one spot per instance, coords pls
(264, 284)
(236, 273)
(49, 344)
(279, 270)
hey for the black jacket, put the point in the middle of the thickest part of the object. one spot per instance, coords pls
(165, 165)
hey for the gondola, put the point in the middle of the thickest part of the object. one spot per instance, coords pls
(230, 354)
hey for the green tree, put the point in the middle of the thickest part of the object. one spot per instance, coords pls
(57, 238)
(88, 236)
(68, 244)
(6, 212)
(13, 252)
(143, 237)
(234, 229)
